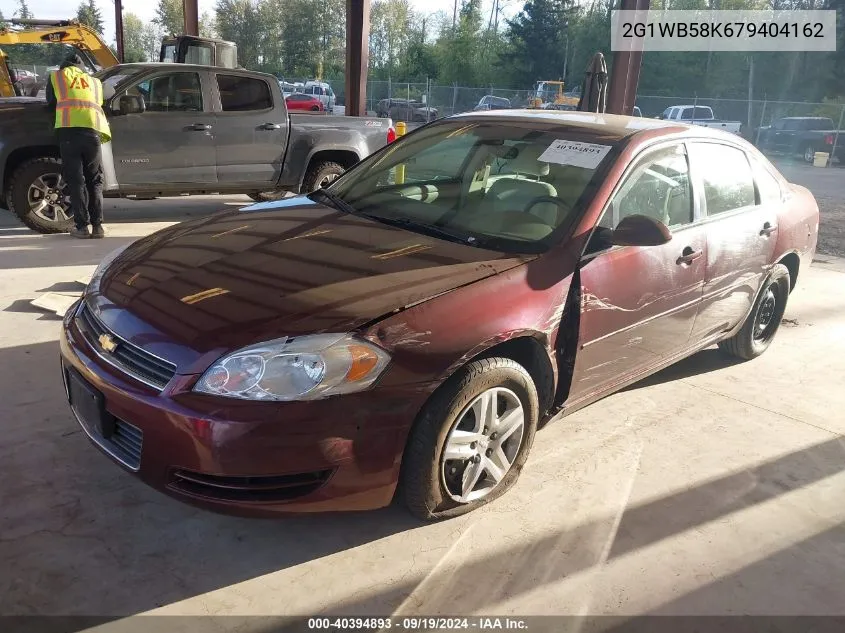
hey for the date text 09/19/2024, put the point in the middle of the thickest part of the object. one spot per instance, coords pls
(417, 623)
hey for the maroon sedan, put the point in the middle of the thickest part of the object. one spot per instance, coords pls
(407, 328)
(299, 101)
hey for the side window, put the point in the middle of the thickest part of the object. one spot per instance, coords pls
(173, 92)
(240, 94)
(792, 125)
(658, 187)
(726, 176)
(767, 185)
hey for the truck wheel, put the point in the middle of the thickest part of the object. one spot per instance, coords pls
(321, 174)
(809, 154)
(37, 196)
(267, 196)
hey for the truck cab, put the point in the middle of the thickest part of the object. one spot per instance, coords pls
(203, 51)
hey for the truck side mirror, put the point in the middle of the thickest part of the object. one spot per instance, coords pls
(131, 104)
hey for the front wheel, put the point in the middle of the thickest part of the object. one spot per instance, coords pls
(37, 195)
(763, 322)
(471, 440)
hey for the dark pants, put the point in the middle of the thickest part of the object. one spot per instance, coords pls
(82, 168)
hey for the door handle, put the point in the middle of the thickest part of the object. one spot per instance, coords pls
(768, 229)
(688, 256)
(200, 127)
(271, 126)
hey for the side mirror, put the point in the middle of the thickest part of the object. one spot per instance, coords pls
(131, 104)
(640, 230)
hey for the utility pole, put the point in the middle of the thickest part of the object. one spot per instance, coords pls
(118, 27)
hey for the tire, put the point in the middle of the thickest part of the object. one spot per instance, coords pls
(427, 485)
(809, 153)
(321, 174)
(763, 321)
(18, 193)
(267, 196)
(315, 108)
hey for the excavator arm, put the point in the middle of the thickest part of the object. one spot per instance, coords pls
(68, 32)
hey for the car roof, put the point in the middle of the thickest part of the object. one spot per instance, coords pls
(613, 125)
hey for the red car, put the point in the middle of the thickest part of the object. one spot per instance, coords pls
(298, 101)
(410, 326)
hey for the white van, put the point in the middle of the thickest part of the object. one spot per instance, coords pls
(323, 92)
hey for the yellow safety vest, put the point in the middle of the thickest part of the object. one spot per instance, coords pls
(79, 100)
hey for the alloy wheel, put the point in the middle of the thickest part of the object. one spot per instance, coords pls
(48, 199)
(483, 444)
(326, 180)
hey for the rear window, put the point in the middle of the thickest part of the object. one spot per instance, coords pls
(239, 94)
(698, 112)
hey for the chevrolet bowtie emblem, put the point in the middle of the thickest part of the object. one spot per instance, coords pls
(107, 343)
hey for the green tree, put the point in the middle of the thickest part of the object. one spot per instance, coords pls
(170, 17)
(134, 46)
(23, 11)
(458, 48)
(239, 21)
(152, 36)
(89, 14)
(208, 27)
(537, 40)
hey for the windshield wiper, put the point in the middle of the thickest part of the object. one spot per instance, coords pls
(430, 229)
(336, 201)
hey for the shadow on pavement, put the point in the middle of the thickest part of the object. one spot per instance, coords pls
(703, 362)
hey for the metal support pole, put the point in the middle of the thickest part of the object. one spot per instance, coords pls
(836, 138)
(759, 127)
(118, 29)
(191, 17)
(625, 75)
(357, 55)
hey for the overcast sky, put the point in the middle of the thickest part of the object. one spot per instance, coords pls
(145, 9)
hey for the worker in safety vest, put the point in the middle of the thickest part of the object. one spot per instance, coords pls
(81, 127)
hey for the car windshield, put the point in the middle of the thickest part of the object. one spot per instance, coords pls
(115, 75)
(505, 186)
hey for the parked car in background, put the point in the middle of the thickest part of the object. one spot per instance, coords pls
(700, 115)
(29, 84)
(491, 102)
(802, 135)
(323, 92)
(410, 326)
(405, 110)
(289, 88)
(300, 101)
(178, 130)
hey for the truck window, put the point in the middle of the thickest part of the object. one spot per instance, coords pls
(171, 92)
(240, 94)
(726, 175)
(700, 113)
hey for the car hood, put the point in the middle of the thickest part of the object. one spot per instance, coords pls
(272, 270)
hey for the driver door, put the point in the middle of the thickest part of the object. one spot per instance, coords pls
(638, 304)
(172, 141)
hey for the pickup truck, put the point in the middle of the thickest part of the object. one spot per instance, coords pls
(802, 135)
(182, 129)
(699, 115)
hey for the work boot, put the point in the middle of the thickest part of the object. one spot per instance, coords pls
(97, 232)
(82, 234)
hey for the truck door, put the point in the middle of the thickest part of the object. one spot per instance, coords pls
(251, 131)
(169, 142)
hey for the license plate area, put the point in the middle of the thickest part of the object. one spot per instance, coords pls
(89, 405)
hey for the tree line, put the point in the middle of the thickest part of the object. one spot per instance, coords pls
(476, 46)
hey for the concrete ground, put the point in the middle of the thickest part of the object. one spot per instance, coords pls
(713, 487)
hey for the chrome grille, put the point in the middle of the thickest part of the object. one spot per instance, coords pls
(136, 362)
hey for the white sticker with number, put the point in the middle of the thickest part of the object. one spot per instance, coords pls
(586, 155)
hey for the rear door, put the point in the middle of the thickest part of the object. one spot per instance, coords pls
(171, 142)
(639, 303)
(251, 130)
(741, 209)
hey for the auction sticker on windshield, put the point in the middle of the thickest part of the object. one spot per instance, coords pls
(586, 155)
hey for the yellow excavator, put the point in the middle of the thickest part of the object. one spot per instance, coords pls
(543, 89)
(174, 49)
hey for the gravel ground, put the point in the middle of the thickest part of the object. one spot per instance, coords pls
(828, 186)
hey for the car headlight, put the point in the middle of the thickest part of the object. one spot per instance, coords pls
(97, 277)
(301, 368)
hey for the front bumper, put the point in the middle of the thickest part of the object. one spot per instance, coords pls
(247, 458)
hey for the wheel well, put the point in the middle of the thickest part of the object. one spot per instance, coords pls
(792, 263)
(530, 353)
(345, 158)
(22, 155)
